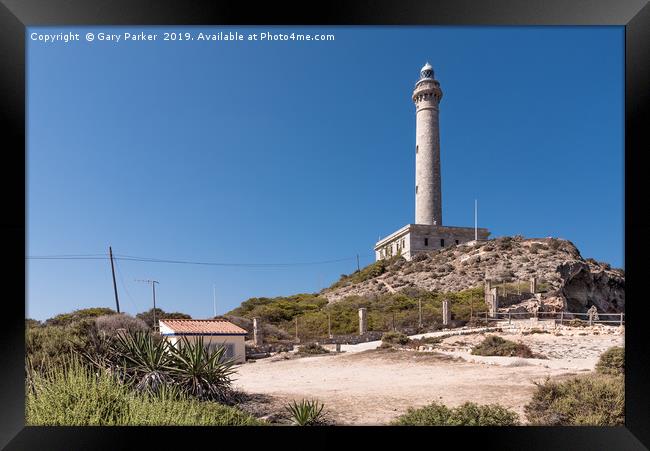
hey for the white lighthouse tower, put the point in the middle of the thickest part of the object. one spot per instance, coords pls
(428, 193)
(428, 232)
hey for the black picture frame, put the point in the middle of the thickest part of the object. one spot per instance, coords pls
(16, 15)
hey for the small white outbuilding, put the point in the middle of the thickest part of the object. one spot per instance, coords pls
(215, 332)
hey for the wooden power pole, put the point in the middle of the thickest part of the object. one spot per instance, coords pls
(117, 301)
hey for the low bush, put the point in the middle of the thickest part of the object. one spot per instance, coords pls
(535, 331)
(612, 361)
(395, 338)
(48, 345)
(590, 400)
(577, 323)
(312, 349)
(71, 394)
(468, 414)
(65, 319)
(110, 324)
(494, 345)
(147, 316)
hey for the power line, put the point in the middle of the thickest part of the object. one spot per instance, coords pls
(119, 273)
(183, 262)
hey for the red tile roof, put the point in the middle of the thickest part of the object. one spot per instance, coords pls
(203, 326)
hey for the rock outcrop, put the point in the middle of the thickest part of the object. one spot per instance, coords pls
(566, 280)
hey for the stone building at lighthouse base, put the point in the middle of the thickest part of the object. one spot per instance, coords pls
(416, 238)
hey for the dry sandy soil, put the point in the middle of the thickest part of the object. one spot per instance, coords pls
(366, 386)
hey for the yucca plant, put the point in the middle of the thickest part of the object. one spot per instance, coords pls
(306, 413)
(200, 372)
(143, 358)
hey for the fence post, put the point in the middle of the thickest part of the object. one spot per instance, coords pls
(509, 318)
(363, 321)
(621, 322)
(561, 318)
(486, 319)
(329, 326)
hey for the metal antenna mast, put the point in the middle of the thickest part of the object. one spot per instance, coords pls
(214, 299)
(153, 288)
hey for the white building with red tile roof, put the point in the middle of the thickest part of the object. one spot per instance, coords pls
(215, 332)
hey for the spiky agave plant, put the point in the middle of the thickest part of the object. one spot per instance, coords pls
(200, 372)
(306, 413)
(144, 359)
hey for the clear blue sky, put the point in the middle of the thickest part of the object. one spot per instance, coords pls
(292, 152)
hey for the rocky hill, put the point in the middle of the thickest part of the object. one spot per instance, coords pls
(567, 280)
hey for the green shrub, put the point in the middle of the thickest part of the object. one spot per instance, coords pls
(306, 413)
(313, 312)
(594, 400)
(494, 345)
(576, 322)
(71, 394)
(48, 345)
(312, 349)
(29, 322)
(468, 414)
(65, 319)
(369, 272)
(147, 316)
(535, 330)
(612, 361)
(110, 324)
(395, 338)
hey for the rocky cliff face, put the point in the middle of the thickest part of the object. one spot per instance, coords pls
(567, 281)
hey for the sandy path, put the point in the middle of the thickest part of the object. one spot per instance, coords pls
(375, 386)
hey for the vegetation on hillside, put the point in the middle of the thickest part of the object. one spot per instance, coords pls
(398, 310)
(369, 272)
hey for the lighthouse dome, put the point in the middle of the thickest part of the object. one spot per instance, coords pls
(426, 72)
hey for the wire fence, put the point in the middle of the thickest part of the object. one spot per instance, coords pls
(559, 317)
(346, 327)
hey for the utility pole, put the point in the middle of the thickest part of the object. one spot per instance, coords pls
(475, 220)
(117, 302)
(358, 267)
(153, 288)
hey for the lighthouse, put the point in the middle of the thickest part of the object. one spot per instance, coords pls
(428, 232)
(428, 192)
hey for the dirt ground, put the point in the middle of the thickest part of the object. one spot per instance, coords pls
(373, 386)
